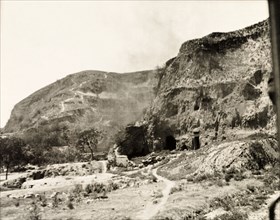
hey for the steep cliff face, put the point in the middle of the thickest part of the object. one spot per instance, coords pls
(216, 84)
(105, 101)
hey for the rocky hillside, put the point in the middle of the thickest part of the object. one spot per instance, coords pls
(105, 101)
(217, 84)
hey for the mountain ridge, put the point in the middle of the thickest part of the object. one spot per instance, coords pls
(221, 69)
(104, 100)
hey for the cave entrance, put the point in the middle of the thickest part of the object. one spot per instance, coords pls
(170, 143)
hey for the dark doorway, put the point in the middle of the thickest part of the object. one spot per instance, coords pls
(195, 143)
(170, 143)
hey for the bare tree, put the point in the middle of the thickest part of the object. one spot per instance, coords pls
(88, 139)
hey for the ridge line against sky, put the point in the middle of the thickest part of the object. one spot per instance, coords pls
(43, 41)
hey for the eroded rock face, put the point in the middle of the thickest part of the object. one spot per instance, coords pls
(252, 155)
(218, 81)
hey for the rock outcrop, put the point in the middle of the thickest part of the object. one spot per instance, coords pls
(229, 157)
(218, 84)
(251, 155)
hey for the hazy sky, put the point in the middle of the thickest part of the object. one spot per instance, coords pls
(42, 41)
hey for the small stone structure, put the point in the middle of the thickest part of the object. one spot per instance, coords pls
(122, 160)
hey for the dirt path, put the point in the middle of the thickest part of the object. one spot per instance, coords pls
(152, 209)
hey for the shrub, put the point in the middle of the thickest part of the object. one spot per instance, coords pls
(201, 177)
(228, 177)
(98, 187)
(43, 201)
(225, 203)
(34, 212)
(112, 186)
(176, 189)
(78, 189)
(233, 215)
(219, 183)
(137, 174)
(70, 205)
(55, 201)
(238, 177)
(88, 189)
(251, 188)
(17, 203)
(157, 194)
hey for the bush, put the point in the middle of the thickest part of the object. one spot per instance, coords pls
(228, 177)
(238, 177)
(176, 189)
(201, 177)
(225, 202)
(17, 203)
(88, 189)
(219, 183)
(78, 189)
(34, 212)
(112, 186)
(157, 194)
(233, 215)
(251, 188)
(98, 187)
(70, 205)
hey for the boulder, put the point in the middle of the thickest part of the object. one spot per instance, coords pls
(29, 196)
(122, 160)
(250, 154)
(15, 183)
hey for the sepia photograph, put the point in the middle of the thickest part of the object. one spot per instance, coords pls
(140, 110)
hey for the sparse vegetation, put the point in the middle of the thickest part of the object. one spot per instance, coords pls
(157, 194)
(233, 173)
(177, 188)
(70, 205)
(232, 215)
(34, 212)
(88, 139)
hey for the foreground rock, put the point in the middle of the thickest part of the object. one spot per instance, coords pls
(228, 157)
(251, 155)
(55, 170)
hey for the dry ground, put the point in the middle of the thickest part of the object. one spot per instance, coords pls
(121, 203)
(143, 199)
